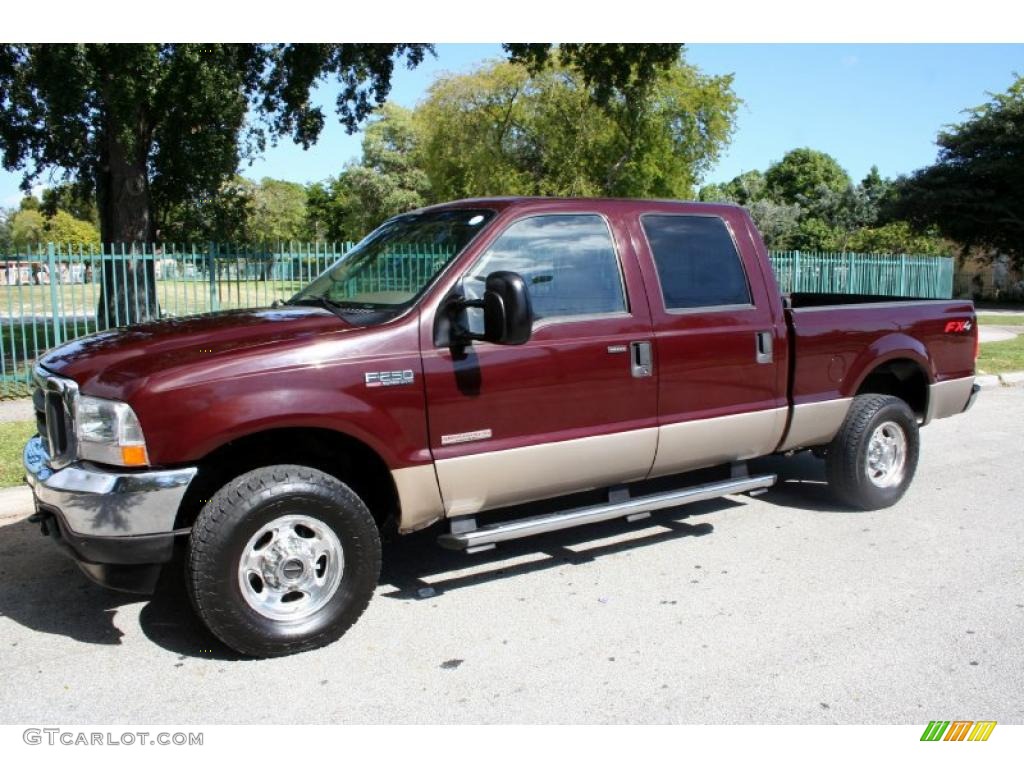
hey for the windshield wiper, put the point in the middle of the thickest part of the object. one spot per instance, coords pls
(319, 301)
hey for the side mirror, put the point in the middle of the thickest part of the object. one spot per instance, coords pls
(508, 314)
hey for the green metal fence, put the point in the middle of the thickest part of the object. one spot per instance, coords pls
(876, 274)
(53, 293)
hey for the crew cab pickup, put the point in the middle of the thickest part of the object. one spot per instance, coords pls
(497, 367)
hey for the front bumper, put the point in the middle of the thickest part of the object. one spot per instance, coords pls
(118, 526)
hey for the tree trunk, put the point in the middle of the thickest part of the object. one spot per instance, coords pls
(128, 280)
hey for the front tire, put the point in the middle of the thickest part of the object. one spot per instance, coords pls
(282, 559)
(872, 460)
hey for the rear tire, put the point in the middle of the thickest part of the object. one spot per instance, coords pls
(282, 559)
(872, 460)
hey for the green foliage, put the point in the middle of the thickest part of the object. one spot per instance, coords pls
(779, 223)
(278, 211)
(611, 69)
(506, 130)
(807, 202)
(388, 180)
(974, 193)
(801, 173)
(73, 199)
(223, 216)
(27, 228)
(30, 227)
(897, 237)
(65, 229)
(151, 126)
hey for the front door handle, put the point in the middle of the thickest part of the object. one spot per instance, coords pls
(640, 359)
(763, 341)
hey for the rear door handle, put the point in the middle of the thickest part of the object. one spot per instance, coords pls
(640, 359)
(763, 341)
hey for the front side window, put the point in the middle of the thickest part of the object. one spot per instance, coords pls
(395, 263)
(567, 260)
(697, 261)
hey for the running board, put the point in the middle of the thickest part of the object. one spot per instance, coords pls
(476, 539)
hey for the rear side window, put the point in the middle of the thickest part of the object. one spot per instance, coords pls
(697, 262)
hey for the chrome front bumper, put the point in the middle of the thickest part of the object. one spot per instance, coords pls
(95, 502)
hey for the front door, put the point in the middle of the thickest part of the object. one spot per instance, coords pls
(570, 410)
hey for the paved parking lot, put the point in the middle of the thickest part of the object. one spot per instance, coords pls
(779, 609)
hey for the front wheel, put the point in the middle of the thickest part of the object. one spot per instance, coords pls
(872, 460)
(282, 559)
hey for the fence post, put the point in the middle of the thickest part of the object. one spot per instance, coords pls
(51, 261)
(211, 265)
(903, 274)
(796, 272)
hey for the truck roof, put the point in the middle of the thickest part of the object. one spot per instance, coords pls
(620, 204)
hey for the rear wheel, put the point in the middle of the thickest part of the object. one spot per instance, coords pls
(872, 460)
(282, 559)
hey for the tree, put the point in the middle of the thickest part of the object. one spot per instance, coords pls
(974, 193)
(897, 237)
(801, 174)
(278, 211)
(388, 180)
(149, 126)
(6, 243)
(65, 230)
(27, 228)
(779, 223)
(505, 129)
(221, 217)
(72, 198)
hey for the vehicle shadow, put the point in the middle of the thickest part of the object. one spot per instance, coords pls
(43, 590)
(801, 483)
(410, 560)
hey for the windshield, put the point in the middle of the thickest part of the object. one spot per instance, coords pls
(395, 263)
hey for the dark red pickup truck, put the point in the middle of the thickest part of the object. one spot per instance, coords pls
(564, 351)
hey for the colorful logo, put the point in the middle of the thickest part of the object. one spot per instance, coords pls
(958, 730)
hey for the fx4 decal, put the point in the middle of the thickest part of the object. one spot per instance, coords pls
(958, 326)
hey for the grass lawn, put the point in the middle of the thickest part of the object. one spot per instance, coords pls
(1001, 319)
(1002, 356)
(13, 436)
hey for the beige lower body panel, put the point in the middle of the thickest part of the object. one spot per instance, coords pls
(948, 398)
(418, 497)
(707, 442)
(482, 481)
(815, 423)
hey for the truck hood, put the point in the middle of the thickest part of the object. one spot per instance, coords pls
(112, 363)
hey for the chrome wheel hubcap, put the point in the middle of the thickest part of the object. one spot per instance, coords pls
(887, 455)
(291, 568)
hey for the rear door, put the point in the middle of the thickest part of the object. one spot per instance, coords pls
(720, 345)
(567, 411)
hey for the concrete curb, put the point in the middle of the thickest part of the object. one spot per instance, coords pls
(1011, 379)
(15, 503)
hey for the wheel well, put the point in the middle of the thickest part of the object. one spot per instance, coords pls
(337, 454)
(901, 378)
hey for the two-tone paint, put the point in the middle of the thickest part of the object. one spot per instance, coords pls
(485, 426)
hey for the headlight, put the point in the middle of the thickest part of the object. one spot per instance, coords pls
(109, 432)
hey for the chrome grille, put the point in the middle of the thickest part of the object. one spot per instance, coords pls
(53, 399)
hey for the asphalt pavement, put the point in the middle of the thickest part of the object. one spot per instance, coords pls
(777, 609)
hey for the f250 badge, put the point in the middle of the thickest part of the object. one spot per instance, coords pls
(388, 378)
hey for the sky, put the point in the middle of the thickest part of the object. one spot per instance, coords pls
(863, 104)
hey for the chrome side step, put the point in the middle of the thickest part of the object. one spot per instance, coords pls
(466, 536)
